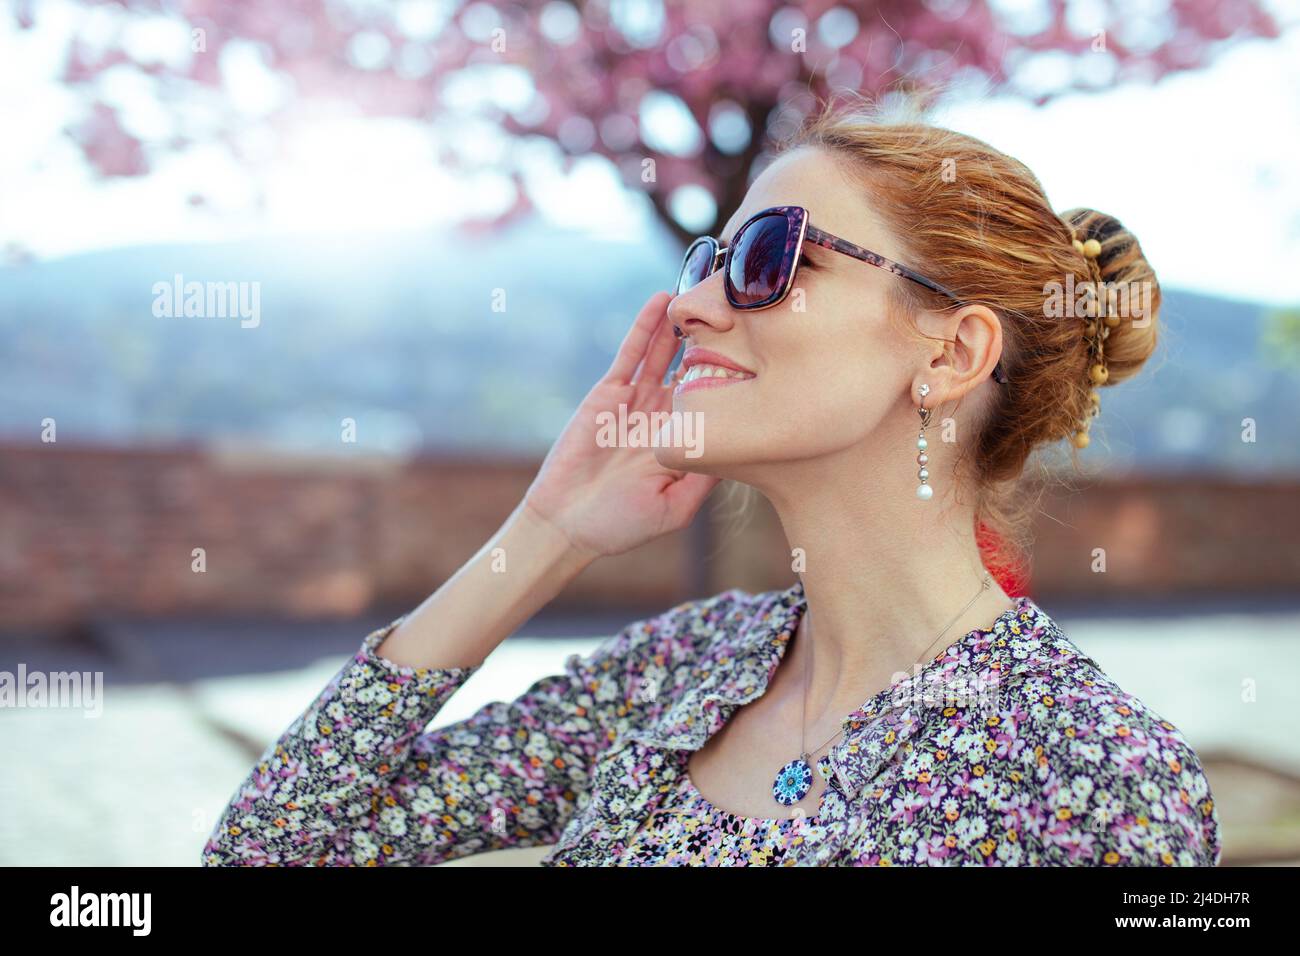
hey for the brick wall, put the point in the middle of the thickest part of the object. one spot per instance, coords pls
(1161, 536)
(91, 532)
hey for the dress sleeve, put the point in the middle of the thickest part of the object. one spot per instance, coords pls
(1126, 789)
(1077, 775)
(354, 780)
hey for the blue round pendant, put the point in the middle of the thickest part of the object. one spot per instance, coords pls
(792, 783)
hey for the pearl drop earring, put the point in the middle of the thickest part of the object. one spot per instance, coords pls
(923, 490)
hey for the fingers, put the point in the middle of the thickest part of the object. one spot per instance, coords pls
(663, 346)
(638, 340)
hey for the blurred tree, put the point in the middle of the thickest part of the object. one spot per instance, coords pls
(681, 95)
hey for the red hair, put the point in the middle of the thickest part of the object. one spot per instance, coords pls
(978, 222)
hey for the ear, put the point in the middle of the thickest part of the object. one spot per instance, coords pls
(974, 345)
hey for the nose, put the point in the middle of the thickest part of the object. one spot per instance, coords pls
(701, 306)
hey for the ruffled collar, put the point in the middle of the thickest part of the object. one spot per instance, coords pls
(967, 677)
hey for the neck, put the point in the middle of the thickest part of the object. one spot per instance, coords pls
(883, 573)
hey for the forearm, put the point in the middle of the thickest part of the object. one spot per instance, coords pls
(521, 568)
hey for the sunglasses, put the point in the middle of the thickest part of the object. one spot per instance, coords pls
(759, 266)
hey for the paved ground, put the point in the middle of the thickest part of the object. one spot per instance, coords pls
(182, 722)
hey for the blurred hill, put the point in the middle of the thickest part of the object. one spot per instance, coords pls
(398, 332)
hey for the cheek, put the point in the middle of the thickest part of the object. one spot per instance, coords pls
(831, 408)
(816, 400)
(839, 371)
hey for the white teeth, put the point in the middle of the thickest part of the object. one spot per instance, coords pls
(711, 371)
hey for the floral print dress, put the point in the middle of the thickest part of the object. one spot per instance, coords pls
(690, 831)
(1011, 747)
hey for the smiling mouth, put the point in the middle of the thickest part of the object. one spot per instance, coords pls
(709, 376)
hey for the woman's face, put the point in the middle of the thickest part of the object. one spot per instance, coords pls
(827, 364)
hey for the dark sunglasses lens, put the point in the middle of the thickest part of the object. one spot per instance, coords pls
(695, 267)
(757, 261)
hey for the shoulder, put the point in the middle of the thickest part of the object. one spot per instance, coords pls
(685, 628)
(664, 651)
(1109, 780)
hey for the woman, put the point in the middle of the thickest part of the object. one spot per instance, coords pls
(895, 705)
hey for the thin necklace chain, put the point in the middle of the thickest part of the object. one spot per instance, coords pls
(984, 586)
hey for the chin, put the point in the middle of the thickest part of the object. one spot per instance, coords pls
(681, 458)
(715, 460)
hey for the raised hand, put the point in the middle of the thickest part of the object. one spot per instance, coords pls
(610, 500)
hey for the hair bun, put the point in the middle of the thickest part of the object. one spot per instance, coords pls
(1130, 294)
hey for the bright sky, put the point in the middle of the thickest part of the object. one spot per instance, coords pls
(1201, 166)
